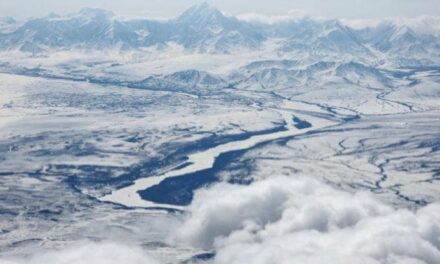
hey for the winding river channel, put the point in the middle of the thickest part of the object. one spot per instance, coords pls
(129, 196)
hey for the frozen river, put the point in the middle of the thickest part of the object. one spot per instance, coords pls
(199, 161)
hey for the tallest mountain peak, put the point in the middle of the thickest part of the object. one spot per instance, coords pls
(201, 11)
(204, 6)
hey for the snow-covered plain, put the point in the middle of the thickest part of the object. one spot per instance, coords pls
(238, 145)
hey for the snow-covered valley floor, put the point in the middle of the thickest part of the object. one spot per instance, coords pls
(89, 144)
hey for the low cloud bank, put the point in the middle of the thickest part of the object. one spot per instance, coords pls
(89, 253)
(291, 16)
(285, 220)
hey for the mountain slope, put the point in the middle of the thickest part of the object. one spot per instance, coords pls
(204, 29)
(90, 28)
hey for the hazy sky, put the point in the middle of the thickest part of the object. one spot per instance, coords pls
(171, 8)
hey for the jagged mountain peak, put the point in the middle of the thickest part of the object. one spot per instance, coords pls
(204, 29)
(201, 9)
(403, 31)
(202, 13)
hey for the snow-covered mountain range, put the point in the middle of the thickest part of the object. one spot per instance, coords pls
(204, 29)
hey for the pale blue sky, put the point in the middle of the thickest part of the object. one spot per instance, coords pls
(171, 8)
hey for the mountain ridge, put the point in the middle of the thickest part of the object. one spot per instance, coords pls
(205, 29)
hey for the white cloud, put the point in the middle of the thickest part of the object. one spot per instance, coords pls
(89, 253)
(284, 220)
(292, 15)
(421, 24)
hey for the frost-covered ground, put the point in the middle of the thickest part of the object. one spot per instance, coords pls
(177, 153)
(67, 144)
(73, 142)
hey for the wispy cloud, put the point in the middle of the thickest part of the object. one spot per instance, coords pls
(422, 24)
(292, 15)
